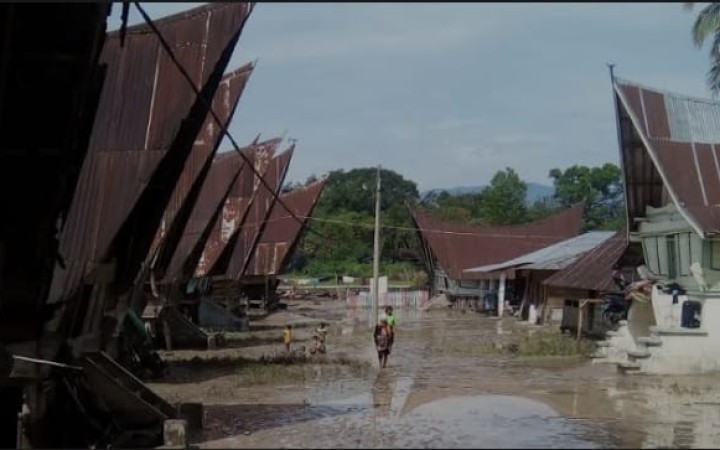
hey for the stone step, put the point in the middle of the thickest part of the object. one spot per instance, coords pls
(598, 356)
(625, 367)
(622, 323)
(638, 354)
(603, 344)
(650, 341)
(612, 333)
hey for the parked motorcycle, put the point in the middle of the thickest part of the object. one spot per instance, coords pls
(614, 309)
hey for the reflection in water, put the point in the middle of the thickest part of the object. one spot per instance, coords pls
(494, 421)
(382, 390)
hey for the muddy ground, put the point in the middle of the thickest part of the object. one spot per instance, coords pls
(450, 383)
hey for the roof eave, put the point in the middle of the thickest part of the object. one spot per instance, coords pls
(639, 129)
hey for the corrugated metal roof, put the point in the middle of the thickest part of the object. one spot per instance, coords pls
(553, 257)
(283, 231)
(594, 269)
(223, 173)
(458, 246)
(196, 168)
(671, 141)
(146, 111)
(50, 78)
(235, 208)
(258, 211)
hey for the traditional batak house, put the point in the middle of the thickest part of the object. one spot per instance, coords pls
(670, 153)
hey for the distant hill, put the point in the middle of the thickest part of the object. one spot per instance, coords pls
(535, 191)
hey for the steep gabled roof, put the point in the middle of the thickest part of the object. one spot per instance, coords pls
(283, 231)
(458, 246)
(148, 117)
(197, 167)
(670, 151)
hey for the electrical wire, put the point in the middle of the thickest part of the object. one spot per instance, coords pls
(212, 113)
(416, 229)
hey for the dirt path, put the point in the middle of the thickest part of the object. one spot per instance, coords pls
(437, 392)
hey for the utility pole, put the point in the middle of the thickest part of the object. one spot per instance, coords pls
(376, 253)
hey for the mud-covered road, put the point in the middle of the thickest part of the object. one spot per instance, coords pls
(435, 394)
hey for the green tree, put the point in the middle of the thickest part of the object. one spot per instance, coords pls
(706, 26)
(503, 201)
(600, 188)
(344, 221)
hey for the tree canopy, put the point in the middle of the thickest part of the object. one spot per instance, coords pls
(600, 188)
(707, 26)
(503, 201)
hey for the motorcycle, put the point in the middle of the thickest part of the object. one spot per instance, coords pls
(614, 309)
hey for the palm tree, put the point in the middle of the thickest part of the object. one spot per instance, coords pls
(707, 24)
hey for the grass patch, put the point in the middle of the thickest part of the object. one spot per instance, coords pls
(541, 343)
(262, 373)
(267, 369)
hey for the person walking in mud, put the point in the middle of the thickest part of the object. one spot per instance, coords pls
(288, 337)
(382, 342)
(389, 316)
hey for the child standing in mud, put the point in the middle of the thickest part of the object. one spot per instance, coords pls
(288, 337)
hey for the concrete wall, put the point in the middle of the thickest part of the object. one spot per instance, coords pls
(640, 318)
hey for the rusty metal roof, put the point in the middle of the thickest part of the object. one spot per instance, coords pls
(670, 148)
(460, 246)
(282, 230)
(256, 217)
(594, 269)
(224, 227)
(49, 80)
(196, 168)
(147, 120)
(206, 215)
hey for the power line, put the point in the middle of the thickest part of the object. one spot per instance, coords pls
(424, 230)
(217, 120)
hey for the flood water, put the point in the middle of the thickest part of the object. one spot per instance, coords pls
(430, 398)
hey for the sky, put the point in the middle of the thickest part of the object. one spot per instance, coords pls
(447, 94)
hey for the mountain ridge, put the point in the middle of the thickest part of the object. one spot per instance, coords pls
(535, 191)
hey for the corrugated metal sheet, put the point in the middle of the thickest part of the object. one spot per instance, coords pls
(225, 169)
(553, 257)
(282, 231)
(49, 80)
(257, 214)
(457, 246)
(225, 227)
(146, 109)
(594, 269)
(197, 166)
(670, 150)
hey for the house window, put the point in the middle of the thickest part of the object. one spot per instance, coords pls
(715, 255)
(671, 257)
